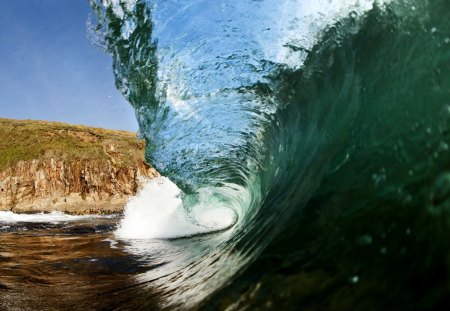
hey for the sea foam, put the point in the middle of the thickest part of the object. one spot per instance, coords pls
(54, 217)
(157, 212)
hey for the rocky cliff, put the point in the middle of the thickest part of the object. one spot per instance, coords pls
(75, 169)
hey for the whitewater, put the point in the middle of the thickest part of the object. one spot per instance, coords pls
(305, 152)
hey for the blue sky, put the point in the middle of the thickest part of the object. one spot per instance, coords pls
(50, 71)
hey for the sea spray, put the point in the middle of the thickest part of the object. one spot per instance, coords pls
(53, 217)
(157, 212)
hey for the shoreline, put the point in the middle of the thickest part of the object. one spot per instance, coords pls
(78, 170)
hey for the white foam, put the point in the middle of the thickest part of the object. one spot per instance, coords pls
(112, 243)
(157, 212)
(54, 217)
(299, 23)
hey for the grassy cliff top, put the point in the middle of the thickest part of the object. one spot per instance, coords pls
(22, 140)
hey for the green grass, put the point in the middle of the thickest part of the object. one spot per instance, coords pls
(22, 140)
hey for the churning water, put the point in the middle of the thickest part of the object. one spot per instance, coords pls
(305, 146)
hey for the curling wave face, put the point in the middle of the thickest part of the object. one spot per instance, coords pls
(291, 123)
(200, 75)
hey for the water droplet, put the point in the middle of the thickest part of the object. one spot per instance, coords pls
(441, 188)
(444, 123)
(433, 30)
(443, 146)
(353, 14)
(365, 239)
(354, 279)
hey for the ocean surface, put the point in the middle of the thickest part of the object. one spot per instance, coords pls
(305, 149)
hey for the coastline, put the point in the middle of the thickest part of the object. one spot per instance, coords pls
(78, 170)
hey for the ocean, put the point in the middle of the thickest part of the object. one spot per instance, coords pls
(305, 151)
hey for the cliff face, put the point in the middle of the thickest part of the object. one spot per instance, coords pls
(85, 176)
(76, 187)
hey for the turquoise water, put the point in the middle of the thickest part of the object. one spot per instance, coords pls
(322, 125)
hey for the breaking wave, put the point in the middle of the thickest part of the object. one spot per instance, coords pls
(309, 138)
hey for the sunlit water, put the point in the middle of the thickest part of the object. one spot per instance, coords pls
(51, 262)
(306, 150)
